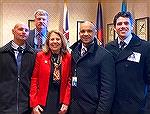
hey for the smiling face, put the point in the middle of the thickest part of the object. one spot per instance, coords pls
(123, 27)
(87, 33)
(55, 43)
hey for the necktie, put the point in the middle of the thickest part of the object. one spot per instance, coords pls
(39, 38)
(83, 51)
(19, 56)
(122, 44)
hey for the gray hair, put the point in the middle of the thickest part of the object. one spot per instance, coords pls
(41, 12)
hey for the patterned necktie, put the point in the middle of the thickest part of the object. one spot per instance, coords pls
(19, 56)
(57, 62)
(83, 51)
(39, 39)
(122, 44)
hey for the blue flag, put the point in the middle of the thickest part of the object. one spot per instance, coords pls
(124, 6)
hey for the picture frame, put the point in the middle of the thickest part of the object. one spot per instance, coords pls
(78, 28)
(142, 28)
(31, 24)
(110, 32)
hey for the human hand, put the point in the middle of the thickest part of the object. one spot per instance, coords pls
(37, 110)
(63, 109)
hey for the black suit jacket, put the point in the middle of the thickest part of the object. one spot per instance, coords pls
(96, 80)
(133, 76)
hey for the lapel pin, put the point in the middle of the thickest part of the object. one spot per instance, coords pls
(45, 61)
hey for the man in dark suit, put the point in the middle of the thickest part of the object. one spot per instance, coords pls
(93, 74)
(37, 36)
(16, 64)
(132, 60)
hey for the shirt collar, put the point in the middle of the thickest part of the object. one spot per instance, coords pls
(44, 36)
(43, 32)
(15, 46)
(83, 47)
(127, 40)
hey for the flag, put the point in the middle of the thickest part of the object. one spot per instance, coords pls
(66, 24)
(99, 24)
(66, 21)
(124, 6)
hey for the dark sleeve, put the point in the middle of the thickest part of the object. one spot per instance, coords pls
(30, 39)
(147, 105)
(34, 86)
(147, 80)
(107, 88)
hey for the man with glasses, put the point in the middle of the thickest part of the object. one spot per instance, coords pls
(93, 74)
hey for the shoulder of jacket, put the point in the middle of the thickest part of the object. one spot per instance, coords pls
(6, 47)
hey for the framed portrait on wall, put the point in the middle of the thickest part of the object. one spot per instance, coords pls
(31, 24)
(78, 29)
(142, 28)
(110, 32)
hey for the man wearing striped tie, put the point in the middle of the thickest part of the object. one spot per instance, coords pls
(37, 36)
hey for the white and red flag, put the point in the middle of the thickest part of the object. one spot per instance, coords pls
(66, 21)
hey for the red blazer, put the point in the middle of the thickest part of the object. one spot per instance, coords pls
(40, 79)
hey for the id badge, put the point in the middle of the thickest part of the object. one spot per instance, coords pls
(74, 81)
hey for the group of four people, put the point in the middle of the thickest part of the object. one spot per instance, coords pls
(90, 80)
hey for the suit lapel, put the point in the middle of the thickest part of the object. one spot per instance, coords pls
(76, 52)
(31, 37)
(124, 54)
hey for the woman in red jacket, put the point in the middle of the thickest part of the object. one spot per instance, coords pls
(50, 82)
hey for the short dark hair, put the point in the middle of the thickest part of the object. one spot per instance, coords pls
(123, 14)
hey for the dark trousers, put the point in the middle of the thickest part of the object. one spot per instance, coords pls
(26, 112)
(76, 108)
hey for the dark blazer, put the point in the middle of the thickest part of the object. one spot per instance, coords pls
(133, 77)
(30, 40)
(14, 88)
(95, 73)
(40, 79)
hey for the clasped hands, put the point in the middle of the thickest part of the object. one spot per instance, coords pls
(38, 109)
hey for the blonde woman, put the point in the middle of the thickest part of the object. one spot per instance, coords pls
(50, 82)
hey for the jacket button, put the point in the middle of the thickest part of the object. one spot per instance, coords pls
(126, 65)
